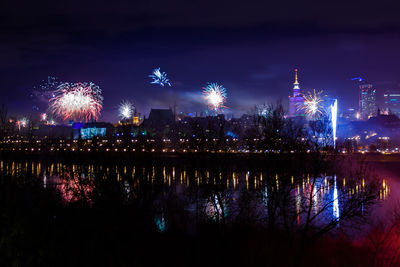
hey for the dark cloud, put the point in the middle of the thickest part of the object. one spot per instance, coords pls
(105, 17)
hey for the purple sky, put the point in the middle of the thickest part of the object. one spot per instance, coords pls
(251, 47)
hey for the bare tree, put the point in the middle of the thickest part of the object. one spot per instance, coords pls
(383, 238)
(4, 123)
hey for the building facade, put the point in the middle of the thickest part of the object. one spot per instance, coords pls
(392, 102)
(367, 101)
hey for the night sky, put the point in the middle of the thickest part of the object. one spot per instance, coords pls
(251, 47)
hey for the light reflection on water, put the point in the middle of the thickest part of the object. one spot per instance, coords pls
(215, 193)
(335, 200)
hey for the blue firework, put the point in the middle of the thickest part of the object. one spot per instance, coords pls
(159, 78)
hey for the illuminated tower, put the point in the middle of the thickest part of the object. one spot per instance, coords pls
(367, 102)
(136, 118)
(296, 100)
(296, 87)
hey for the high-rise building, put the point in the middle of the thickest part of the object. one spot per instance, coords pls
(367, 101)
(296, 100)
(392, 102)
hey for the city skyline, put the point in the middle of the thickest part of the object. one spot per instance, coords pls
(200, 106)
(251, 51)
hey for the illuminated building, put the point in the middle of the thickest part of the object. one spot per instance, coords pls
(392, 102)
(296, 100)
(367, 101)
(136, 120)
(98, 129)
(89, 133)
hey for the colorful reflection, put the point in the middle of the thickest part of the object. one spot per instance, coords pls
(211, 192)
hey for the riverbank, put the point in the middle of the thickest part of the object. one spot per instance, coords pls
(255, 160)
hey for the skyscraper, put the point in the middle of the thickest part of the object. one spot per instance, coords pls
(392, 102)
(296, 100)
(367, 101)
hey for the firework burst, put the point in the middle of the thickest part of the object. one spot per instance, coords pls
(262, 110)
(22, 123)
(77, 101)
(312, 106)
(159, 78)
(215, 96)
(43, 117)
(126, 110)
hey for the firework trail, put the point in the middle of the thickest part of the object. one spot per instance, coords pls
(360, 79)
(126, 110)
(159, 78)
(77, 101)
(215, 96)
(312, 106)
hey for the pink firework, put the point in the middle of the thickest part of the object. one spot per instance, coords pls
(77, 101)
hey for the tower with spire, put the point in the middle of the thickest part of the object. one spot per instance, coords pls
(296, 87)
(296, 100)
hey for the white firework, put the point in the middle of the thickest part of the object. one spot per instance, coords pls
(126, 110)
